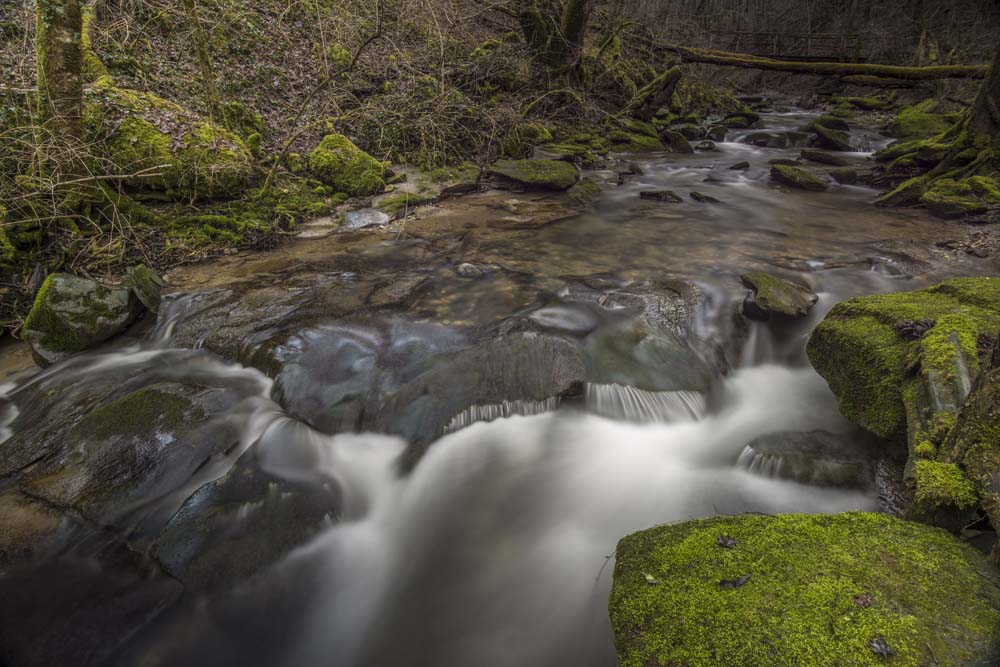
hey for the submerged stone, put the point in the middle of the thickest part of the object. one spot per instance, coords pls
(923, 594)
(775, 297)
(823, 158)
(71, 314)
(668, 196)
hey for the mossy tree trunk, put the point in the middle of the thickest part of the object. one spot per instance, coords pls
(555, 31)
(985, 119)
(204, 58)
(59, 55)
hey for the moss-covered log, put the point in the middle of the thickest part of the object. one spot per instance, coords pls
(655, 94)
(834, 68)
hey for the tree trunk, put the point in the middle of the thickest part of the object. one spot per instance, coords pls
(985, 118)
(204, 59)
(575, 18)
(656, 94)
(59, 27)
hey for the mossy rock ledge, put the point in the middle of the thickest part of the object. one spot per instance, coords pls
(71, 314)
(901, 366)
(883, 355)
(554, 175)
(796, 590)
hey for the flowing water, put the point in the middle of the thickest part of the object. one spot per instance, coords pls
(494, 545)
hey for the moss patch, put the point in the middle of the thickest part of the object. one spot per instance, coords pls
(139, 413)
(797, 177)
(920, 121)
(948, 198)
(162, 146)
(881, 375)
(541, 174)
(821, 590)
(341, 164)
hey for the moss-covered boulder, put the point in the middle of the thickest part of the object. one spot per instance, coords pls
(901, 364)
(950, 198)
(634, 136)
(346, 168)
(533, 174)
(828, 121)
(798, 590)
(163, 146)
(833, 140)
(797, 177)
(741, 120)
(974, 442)
(920, 121)
(71, 314)
(823, 157)
(676, 142)
(774, 297)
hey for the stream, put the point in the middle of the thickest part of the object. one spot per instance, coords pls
(374, 460)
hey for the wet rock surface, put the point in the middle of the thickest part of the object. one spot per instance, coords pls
(72, 314)
(772, 296)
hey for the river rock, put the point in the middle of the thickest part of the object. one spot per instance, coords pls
(668, 196)
(818, 458)
(797, 177)
(784, 161)
(705, 146)
(781, 590)
(740, 166)
(235, 527)
(717, 133)
(906, 383)
(146, 285)
(467, 270)
(520, 175)
(72, 314)
(676, 142)
(844, 175)
(704, 199)
(823, 158)
(690, 131)
(775, 297)
(827, 121)
(767, 139)
(741, 120)
(834, 140)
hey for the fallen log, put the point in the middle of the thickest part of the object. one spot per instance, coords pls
(897, 72)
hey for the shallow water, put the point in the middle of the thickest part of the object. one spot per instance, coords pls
(496, 548)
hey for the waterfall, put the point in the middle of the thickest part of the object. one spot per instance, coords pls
(638, 405)
(492, 411)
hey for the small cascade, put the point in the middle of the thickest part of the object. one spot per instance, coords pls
(638, 405)
(765, 465)
(8, 411)
(492, 411)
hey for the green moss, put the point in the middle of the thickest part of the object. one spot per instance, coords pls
(920, 121)
(907, 193)
(523, 137)
(631, 142)
(57, 335)
(797, 177)
(828, 121)
(949, 198)
(402, 203)
(189, 158)
(943, 485)
(864, 103)
(820, 590)
(544, 174)
(137, 413)
(878, 374)
(338, 162)
(486, 48)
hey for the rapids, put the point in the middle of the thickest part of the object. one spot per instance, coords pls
(493, 546)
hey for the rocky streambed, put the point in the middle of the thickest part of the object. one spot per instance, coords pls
(417, 443)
